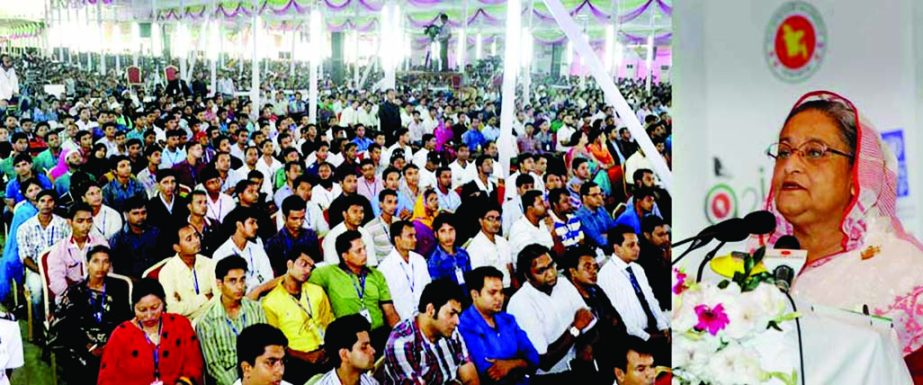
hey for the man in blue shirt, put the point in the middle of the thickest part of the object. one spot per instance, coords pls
(596, 221)
(473, 138)
(22, 164)
(361, 141)
(500, 349)
(448, 260)
(641, 205)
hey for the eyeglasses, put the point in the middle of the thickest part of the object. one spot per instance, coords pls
(812, 151)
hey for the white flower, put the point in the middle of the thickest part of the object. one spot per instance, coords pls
(734, 365)
(692, 355)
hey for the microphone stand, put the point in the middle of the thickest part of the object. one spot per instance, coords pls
(708, 257)
(694, 246)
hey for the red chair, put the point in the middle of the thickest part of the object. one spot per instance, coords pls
(133, 75)
(154, 271)
(171, 72)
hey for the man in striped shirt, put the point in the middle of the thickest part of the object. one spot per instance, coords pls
(350, 350)
(220, 325)
(427, 348)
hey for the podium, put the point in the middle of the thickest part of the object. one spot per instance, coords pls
(840, 347)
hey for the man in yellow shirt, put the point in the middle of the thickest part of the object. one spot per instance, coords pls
(302, 311)
(188, 279)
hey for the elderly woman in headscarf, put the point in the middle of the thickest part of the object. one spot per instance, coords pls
(154, 346)
(834, 188)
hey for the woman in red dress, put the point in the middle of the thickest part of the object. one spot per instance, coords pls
(154, 347)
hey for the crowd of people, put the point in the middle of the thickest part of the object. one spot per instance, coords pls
(189, 237)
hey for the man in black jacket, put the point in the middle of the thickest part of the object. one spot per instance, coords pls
(390, 115)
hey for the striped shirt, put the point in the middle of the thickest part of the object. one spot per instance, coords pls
(331, 378)
(218, 337)
(33, 239)
(410, 358)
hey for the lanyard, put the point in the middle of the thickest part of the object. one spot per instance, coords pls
(99, 306)
(103, 229)
(360, 293)
(155, 348)
(410, 278)
(195, 280)
(231, 325)
(307, 310)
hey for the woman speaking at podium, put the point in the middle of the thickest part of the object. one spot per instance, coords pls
(834, 188)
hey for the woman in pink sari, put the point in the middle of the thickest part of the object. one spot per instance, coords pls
(834, 188)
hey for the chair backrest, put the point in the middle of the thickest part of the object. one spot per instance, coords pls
(618, 210)
(127, 281)
(378, 371)
(133, 75)
(154, 271)
(46, 292)
(314, 379)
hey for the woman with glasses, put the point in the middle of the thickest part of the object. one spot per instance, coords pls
(834, 188)
(154, 347)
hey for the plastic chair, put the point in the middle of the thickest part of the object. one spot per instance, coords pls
(154, 271)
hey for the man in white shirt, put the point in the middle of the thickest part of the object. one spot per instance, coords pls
(406, 271)
(348, 115)
(565, 132)
(245, 244)
(488, 248)
(513, 208)
(533, 227)
(353, 216)
(403, 142)
(429, 144)
(106, 221)
(9, 81)
(551, 312)
(463, 170)
(626, 285)
(525, 164)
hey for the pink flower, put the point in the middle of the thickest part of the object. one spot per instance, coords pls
(680, 285)
(711, 320)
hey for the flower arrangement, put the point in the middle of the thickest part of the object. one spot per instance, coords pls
(717, 327)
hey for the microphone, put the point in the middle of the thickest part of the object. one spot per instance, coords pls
(757, 222)
(785, 260)
(761, 222)
(733, 230)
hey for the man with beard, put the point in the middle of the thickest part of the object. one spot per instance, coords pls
(581, 270)
(62, 184)
(135, 248)
(656, 256)
(552, 314)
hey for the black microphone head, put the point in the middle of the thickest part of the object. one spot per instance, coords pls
(760, 222)
(788, 242)
(732, 230)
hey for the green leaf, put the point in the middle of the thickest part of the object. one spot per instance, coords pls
(774, 325)
(723, 284)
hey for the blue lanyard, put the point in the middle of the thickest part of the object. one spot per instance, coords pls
(99, 306)
(410, 278)
(195, 280)
(360, 293)
(243, 324)
(155, 348)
